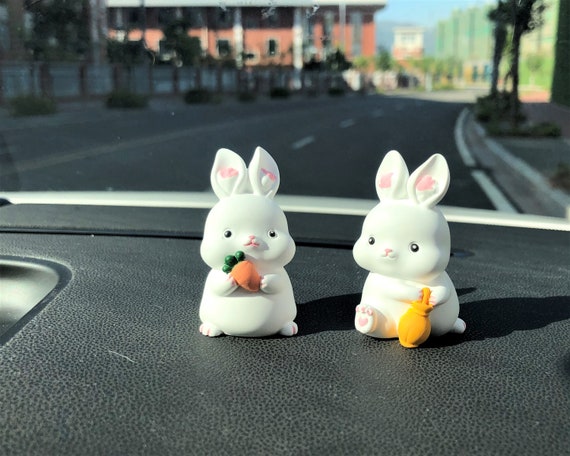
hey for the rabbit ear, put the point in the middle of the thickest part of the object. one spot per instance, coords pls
(391, 177)
(228, 174)
(429, 183)
(263, 173)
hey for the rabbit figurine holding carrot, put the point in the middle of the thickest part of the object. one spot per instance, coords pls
(247, 244)
(405, 245)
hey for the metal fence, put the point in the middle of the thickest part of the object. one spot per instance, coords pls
(76, 80)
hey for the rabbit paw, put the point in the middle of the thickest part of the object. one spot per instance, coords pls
(365, 320)
(459, 326)
(270, 283)
(290, 329)
(209, 330)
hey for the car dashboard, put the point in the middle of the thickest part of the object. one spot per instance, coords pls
(110, 359)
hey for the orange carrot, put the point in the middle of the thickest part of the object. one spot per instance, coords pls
(246, 276)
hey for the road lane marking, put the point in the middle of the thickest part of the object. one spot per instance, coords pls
(346, 123)
(495, 195)
(458, 132)
(492, 191)
(303, 142)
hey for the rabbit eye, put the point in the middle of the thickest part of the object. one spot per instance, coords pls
(227, 234)
(414, 247)
(371, 240)
(272, 234)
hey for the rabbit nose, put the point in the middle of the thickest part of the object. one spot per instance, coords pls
(388, 251)
(251, 236)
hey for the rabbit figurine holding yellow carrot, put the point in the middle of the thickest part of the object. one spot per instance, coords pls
(405, 245)
(247, 244)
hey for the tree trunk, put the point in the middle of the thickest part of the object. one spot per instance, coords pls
(500, 33)
(515, 56)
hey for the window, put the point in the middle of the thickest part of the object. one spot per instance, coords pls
(272, 47)
(223, 47)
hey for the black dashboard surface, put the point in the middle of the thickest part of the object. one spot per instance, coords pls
(114, 363)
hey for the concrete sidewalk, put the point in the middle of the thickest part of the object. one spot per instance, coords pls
(522, 167)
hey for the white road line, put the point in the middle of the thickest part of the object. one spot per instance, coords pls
(346, 123)
(492, 191)
(464, 152)
(303, 142)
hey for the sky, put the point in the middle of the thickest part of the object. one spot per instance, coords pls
(423, 12)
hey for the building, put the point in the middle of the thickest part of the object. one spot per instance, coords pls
(408, 43)
(254, 32)
(467, 37)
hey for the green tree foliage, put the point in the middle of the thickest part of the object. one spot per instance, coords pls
(187, 48)
(126, 52)
(561, 77)
(60, 29)
(534, 62)
(337, 61)
(383, 61)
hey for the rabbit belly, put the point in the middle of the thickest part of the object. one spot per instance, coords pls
(248, 314)
(377, 294)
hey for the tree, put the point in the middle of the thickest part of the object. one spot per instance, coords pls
(187, 48)
(534, 62)
(561, 77)
(499, 17)
(60, 29)
(522, 16)
(383, 61)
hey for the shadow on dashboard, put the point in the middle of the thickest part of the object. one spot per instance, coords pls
(334, 313)
(494, 318)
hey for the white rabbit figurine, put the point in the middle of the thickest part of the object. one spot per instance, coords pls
(247, 228)
(405, 244)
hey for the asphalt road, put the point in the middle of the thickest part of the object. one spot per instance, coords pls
(324, 146)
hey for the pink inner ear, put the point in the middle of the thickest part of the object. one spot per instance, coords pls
(426, 183)
(228, 172)
(269, 174)
(385, 180)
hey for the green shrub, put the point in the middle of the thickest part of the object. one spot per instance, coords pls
(193, 96)
(546, 129)
(336, 91)
(498, 107)
(31, 105)
(279, 92)
(126, 99)
(541, 130)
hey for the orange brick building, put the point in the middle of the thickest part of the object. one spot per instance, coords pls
(254, 32)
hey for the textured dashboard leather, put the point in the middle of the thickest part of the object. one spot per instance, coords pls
(115, 363)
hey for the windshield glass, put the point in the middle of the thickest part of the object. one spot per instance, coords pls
(138, 95)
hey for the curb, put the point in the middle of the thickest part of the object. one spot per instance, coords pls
(492, 156)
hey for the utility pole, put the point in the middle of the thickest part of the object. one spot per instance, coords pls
(342, 25)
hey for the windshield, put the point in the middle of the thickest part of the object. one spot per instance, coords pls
(138, 95)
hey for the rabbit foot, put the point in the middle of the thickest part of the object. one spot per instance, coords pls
(459, 326)
(364, 321)
(209, 330)
(290, 329)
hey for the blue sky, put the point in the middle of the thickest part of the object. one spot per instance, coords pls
(423, 12)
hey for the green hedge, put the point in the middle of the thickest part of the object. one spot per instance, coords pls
(126, 99)
(31, 105)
